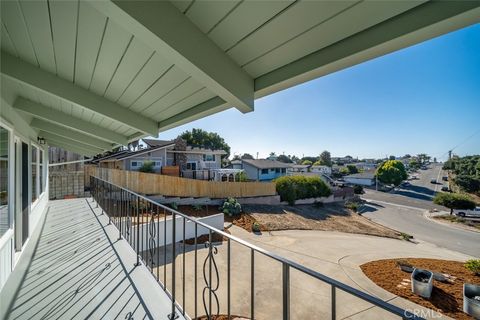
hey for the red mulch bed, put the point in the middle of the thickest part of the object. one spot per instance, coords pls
(447, 298)
(244, 220)
(204, 238)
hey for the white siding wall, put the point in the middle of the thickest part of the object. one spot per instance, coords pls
(9, 118)
(250, 171)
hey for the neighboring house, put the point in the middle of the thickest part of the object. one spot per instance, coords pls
(326, 170)
(298, 168)
(362, 179)
(236, 164)
(366, 166)
(264, 169)
(198, 163)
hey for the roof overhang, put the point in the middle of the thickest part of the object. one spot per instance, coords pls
(99, 74)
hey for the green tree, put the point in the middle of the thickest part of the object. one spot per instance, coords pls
(454, 201)
(284, 158)
(203, 139)
(391, 158)
(147, 167)
(312, 159)
(325, 158)
(391, 172)
(468, 183)
(295, 159)
(247, 156)
(344, 171)
(423, 158)
(414, 164)
(307, 162)
(352, 169)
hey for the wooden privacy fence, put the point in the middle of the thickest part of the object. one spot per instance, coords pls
(151, 183)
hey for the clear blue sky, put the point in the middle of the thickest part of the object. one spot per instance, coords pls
(422, 99)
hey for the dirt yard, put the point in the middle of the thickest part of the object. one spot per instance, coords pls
(330, 217)
(447, 298)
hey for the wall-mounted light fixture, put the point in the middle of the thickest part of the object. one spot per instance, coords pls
(40, 140)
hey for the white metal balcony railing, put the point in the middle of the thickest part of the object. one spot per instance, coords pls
(126, 208)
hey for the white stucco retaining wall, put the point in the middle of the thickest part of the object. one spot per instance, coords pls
(215, 221)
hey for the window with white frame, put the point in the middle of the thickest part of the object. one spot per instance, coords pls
(137, 164)
(209, 157)
(34, 184)
(157, 163)
(41, 172)
(5, 221)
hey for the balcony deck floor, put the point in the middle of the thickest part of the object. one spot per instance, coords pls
(79, 270)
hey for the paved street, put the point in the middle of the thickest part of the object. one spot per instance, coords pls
(404, 211)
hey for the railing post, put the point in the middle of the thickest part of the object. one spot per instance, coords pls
(138, 234)
(119, 226)
(228, 279)
(286, 290)
(334, 303)
(252, 284)
(173, 315)
(110, 204)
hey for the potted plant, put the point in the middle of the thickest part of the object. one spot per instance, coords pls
(404, 265)
(471, 300)
(422, 282)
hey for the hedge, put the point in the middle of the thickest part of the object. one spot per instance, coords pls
(291, 188)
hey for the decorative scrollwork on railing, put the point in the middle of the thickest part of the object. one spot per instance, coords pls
(152, 243)
(210, 287)
(128, 226)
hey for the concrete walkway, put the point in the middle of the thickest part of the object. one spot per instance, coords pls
(75, 268)
(337, 255)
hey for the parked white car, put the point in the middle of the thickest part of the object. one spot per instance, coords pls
(468, 213)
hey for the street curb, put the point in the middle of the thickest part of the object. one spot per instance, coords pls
(427, 214)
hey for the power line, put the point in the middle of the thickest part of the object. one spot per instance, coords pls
(468, 138)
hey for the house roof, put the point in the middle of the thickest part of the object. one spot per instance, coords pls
(300, 166)
(362, 175)
(266, 164)
(110, 156)
(199, 151)
(158, 143)
(142, 151)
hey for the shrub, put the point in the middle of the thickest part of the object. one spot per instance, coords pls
(352, 206)
(358, 190)
(241, 177)
(197, 207)
(473, 265)
(291, 188)
(147, 167)
(468, 183)
(406, 236)
(231, 207)
(256, 227)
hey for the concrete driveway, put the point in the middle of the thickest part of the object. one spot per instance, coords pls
(337, 255)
